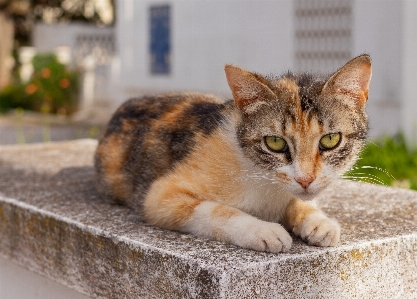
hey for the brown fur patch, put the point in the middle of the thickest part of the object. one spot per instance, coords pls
(284, 177)
(296, 212)
(128, 125)
(113, 155)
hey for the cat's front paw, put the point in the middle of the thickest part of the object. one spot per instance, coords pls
(262, 236)
(318, 230)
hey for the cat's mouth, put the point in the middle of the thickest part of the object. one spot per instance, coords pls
(308, 193)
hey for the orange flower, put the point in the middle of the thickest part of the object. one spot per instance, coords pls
(31, 89)
(64, 83)
(45, 73)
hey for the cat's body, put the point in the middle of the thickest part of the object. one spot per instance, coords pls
(235, 171)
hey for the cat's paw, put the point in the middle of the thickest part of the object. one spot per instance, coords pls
(262, 236)
(319, 230)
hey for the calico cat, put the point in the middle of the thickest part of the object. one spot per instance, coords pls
(242, 171)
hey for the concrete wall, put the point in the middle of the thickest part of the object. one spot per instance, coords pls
(253, 34)
(19, 283)
(57, 225)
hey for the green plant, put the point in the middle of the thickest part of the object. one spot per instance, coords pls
(53, 88)
(387, 161)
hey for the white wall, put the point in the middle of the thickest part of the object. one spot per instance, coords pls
(256, 35)
(377, 30)
(46, 37)
(409, 72)
(259, 36)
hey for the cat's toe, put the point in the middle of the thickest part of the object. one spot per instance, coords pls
(264, 236)
(277, 240)
(319, 230)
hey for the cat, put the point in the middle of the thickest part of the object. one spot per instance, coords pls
(243, 171)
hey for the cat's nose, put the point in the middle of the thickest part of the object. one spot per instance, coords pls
(305, 182)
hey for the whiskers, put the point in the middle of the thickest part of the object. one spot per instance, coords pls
(260, 179)
(257, 176)
(358, 174)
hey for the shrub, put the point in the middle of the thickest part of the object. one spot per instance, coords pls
(388, 161)
(53, 88)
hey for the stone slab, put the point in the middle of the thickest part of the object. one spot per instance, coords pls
(53, 222)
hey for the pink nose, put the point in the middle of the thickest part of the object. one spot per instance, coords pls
(305, 182)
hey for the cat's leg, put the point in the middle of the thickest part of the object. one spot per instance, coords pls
(311, 224)
(184, 212)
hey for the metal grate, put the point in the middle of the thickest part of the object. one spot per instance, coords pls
(323, 34)
(100, 46)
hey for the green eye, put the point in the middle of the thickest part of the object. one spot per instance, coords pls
(276, 144)
(329, 141)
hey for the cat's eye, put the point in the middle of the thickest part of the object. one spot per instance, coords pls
(329, 141)
(276, 144)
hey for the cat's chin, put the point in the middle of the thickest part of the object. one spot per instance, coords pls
(306, 195)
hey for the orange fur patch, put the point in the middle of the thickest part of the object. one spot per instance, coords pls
(283, 176)
(308, 155)
(225, 212)
(171, 200)
(172, 208)
(296, 212)
(222, 213)
(202, 171)
(289, 87)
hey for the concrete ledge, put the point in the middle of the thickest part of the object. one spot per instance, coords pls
(54, 223)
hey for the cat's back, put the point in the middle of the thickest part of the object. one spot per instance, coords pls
(147, 136)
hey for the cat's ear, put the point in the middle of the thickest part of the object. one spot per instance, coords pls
(247, 88)
(352, 80)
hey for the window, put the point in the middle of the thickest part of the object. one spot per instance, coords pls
(160, 39)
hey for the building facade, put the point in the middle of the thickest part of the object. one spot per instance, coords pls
(271, 37)
(177, 45)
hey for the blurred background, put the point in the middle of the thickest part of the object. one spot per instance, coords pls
(80, 59)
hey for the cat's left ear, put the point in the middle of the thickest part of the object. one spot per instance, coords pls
(248, 89)
(352, 79)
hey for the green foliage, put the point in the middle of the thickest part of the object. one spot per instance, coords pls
(53, 88)
(388, 161)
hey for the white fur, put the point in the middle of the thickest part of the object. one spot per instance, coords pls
(242, 230)
(319, 230)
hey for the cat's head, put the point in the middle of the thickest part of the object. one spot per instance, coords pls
(303, 130)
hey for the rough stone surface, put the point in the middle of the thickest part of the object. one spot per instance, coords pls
(53, 222)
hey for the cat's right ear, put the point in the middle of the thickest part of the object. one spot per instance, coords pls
(352, 80)
(247, 88)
